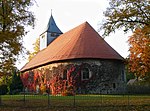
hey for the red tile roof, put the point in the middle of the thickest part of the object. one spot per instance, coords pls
(81, 42)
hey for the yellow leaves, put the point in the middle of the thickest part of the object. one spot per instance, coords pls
(14, 16)
(139, 61)
(36, 49)
(37, 45)
(42, 88)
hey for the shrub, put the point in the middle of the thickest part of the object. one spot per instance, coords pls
(138, 89)
(42, 89)
(3, 89)
(16, 86)
(67, 93)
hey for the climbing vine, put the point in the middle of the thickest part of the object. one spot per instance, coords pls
(55, 83)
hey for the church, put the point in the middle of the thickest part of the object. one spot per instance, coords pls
(79, 61)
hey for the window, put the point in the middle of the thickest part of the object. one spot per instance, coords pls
(65, 75)
(43, 36)
(85, 74)
(114, 85)
(53, 34)
(122, 74)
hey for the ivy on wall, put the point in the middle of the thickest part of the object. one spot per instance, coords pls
(53, 80)
(67, 79)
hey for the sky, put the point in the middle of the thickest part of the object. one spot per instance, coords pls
(69, 14)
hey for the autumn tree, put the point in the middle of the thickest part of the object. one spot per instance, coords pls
(131, 15)
(14, 17)
(139, 61)
(36, 48)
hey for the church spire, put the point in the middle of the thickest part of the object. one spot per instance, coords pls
(51, 33)
(51, 26)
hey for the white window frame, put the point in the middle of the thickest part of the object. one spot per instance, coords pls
(82, 71)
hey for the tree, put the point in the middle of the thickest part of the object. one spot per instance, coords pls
(131, 15)
(36, 47)
(16, 85)
(14, 16)
(126, 14)
(139, 61)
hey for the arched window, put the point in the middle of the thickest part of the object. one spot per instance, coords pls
(64, 75)
(85, 73)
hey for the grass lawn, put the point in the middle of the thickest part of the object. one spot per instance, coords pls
(75, 103)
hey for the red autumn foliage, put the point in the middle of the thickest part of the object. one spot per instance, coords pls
(24, 78)
(56, 84)
(64, 87)
(30, 82)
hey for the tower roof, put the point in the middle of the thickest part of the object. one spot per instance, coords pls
(81, 42)
(52, 27)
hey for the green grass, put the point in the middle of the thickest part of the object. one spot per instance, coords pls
(78, 102)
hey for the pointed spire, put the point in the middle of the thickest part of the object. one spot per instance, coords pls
(51, 26)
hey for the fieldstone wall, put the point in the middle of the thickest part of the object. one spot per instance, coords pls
(106, 76)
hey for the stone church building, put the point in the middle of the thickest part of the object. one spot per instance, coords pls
(79, 61)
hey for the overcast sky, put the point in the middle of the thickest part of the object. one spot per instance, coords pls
(69, 14)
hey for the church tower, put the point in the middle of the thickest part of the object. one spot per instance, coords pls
(51, 33)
